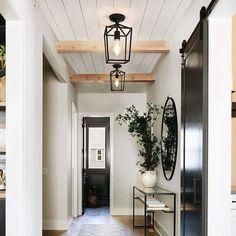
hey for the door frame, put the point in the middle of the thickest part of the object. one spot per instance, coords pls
(80, 156)
(74, 157)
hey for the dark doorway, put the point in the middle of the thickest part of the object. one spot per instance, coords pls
(2, 30)
(96, 162)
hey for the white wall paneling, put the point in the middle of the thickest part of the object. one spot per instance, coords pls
(86, 20)
(151, 18)
(76, 19)
(78, 62)
(176, 18)
(88, 62)
(60, 17)
(98, 61)
(90, 16)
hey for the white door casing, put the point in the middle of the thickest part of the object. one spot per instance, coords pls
(74, 167)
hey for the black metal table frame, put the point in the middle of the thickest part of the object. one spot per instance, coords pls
(145, 226)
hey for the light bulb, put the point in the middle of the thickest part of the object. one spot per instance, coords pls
(116, 47)
(117, 82)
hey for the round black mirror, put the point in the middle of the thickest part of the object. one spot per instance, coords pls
(169, 138)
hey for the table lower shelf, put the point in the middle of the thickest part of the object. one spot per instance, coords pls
(154, 205)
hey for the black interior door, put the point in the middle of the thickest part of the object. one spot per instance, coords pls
(96, 162)
(194, 130)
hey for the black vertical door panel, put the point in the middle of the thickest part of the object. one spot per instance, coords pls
(194, 128)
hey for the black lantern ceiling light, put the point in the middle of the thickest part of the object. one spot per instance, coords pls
(117, 41)
(117, 78)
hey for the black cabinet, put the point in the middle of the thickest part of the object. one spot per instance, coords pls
(2, 216)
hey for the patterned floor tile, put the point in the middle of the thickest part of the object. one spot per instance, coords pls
(99, 222)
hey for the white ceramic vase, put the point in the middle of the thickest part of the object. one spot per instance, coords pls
(149, 179)
(2, 140)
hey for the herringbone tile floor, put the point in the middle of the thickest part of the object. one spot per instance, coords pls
(98, 222)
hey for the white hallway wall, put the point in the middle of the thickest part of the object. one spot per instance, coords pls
(168, 83)
(57, 198)
(126, 172)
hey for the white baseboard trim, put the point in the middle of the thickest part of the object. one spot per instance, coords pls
(70, 219)
(57, 224)
(159, 229)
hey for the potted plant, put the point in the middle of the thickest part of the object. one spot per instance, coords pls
(2, 73)
(141, 127)
(93, 192)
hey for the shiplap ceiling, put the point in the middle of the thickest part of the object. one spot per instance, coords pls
(86, 20)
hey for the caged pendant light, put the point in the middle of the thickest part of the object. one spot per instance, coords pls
(117, 41)
(117, 78)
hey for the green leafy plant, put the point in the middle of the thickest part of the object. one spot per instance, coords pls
(3, 59)
(170, 138)
(140, 127)
(92, 189)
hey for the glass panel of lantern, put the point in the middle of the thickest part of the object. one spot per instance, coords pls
(117, 41)
(117, 79)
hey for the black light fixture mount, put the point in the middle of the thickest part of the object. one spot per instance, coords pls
(117, 41)
(117, 78)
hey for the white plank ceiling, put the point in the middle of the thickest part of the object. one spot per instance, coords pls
(86, 20)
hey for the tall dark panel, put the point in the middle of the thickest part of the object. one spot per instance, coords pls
(2, 30)
(96, 175)
(2, 120)
(194, 131)
(2, 216)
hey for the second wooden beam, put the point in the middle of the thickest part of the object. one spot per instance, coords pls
(103, 78)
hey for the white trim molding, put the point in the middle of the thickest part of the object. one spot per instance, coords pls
(57, 224)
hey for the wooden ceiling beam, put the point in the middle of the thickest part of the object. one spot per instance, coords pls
(98, 47)
(104, 78)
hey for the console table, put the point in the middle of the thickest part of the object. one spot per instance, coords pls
(148, 197)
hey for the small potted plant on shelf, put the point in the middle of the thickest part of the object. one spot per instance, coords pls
(93, 192)
(2, 73)
(141, 127)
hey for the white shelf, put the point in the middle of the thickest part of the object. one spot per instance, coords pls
(154, 204)
(2, 104)
(158, 208)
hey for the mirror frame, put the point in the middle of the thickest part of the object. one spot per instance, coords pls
(162, 124)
